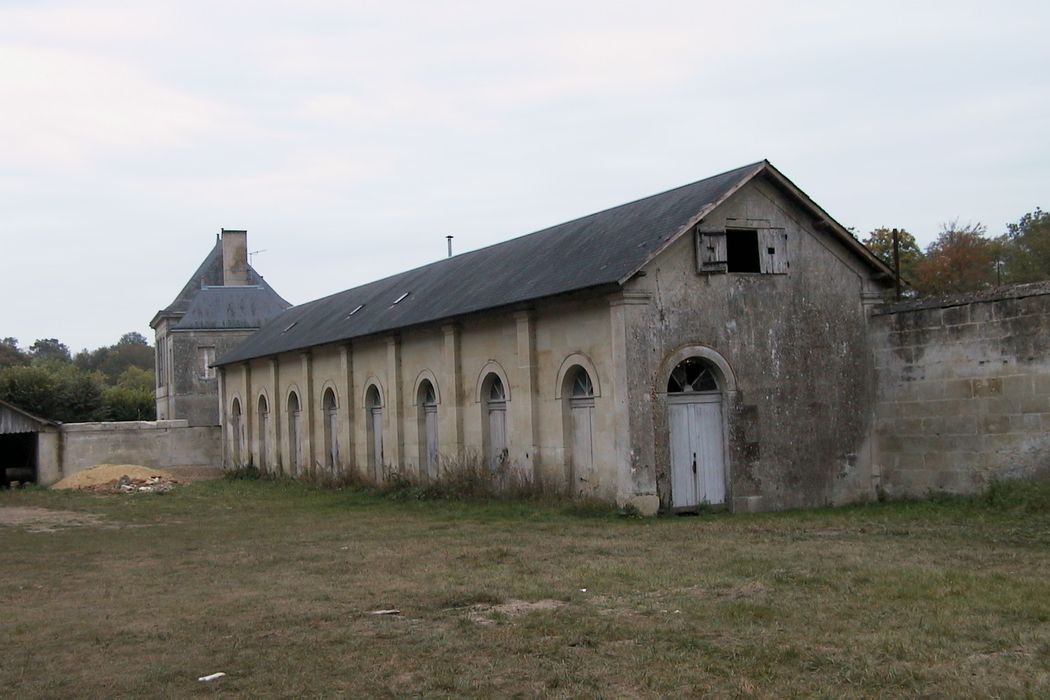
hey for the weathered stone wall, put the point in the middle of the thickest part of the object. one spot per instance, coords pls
(963, 391)
(155, 444)
(193, 396)
(799, 413)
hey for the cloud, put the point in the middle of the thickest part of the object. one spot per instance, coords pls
(68, 110)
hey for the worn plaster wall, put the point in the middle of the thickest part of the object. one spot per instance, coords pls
(155, 444)
(799, 421)
(531, 349)
(190, 395)
(963, 391)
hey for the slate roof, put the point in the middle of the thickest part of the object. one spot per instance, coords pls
(237, 310)
(602, 249)
(232, 307)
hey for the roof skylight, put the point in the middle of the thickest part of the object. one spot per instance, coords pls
(356, 309)
(401, 298)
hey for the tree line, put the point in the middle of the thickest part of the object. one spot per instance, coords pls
(964, 258)
(113, 382)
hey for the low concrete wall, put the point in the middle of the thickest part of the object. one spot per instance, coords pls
(155, 444)
(963, 391)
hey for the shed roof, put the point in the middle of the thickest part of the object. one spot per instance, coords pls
(602, 249)
(16, 420)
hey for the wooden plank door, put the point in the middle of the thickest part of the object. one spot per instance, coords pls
(711, 466)
(497, 436)
(298, 456)
(431, 428)
(582, 445)
(377, 440)
(333, 437)
(684, 491)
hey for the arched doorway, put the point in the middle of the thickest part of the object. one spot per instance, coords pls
(264, 433)
(426, 409)
(694, 416)
(295, 442)
(374, 412)
(237, 430)
(330, 410)
(495, 426)
(580, 393)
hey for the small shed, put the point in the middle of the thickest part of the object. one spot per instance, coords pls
(29, 447)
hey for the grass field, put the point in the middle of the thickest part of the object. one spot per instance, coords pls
(273, 583)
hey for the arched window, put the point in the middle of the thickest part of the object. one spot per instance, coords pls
(692, 375)
(264, 432)
(495, 426)
(374, 413)
(426, 410)
(330, 410)
(580, 430)
(295, 435)
(237, 431)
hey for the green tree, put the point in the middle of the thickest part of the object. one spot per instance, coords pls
(1025, 248)
(50, 349)
(55, 390)
(961, 260)
(131, 350)
(880, 242)
(11, 354)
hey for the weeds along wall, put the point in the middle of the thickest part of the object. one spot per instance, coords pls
(963, 391)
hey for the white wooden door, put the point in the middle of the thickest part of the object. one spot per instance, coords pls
(430, 425)
(497, 435)
(264, 432)
(298, 454)
(333, 438)
(377, 440)
(697, 452)
(293, 444)
(582, 411)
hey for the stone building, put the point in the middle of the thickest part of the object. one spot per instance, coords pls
(224, 302)
(708, 344)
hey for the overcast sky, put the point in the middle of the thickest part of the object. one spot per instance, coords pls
(350, 137)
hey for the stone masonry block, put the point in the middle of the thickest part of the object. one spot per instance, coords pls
(1017, 385)
(982, 312)
(1034, 405)
(955, 315)
(958, 389)
(1008, 308)
(927, 390)
(999, 406)
(992, 386)
(991, 425)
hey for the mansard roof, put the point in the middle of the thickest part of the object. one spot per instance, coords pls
(604, 249)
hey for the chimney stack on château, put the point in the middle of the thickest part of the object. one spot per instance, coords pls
(234, 258)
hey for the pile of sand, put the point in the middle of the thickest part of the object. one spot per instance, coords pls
(101, 476)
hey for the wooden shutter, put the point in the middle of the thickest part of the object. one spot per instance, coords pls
(772, 251)
(711, 251)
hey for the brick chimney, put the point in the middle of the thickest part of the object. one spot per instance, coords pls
(234, 258)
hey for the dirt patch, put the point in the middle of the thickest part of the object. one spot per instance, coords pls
(484, 614)
(45, 520)
(105, 475)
